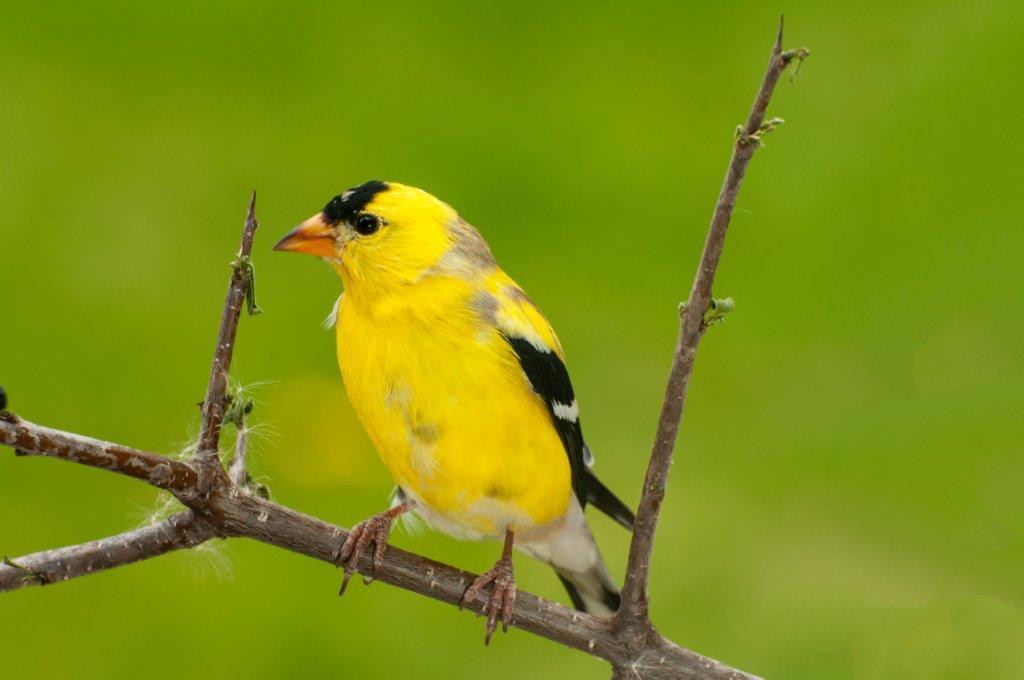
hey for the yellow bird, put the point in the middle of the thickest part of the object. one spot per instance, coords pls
(461, 385)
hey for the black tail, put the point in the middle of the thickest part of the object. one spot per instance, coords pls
(601, 497)
(591, 592)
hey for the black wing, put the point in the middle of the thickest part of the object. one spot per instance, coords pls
(550, 380)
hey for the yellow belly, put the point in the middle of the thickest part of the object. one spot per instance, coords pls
(451, 414)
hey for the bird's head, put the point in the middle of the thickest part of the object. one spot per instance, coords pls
(382, 236)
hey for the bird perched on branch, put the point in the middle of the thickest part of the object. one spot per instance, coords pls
(461, 385)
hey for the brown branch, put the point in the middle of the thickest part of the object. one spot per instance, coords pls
(51, 566)
(220, 504)
(29, 439)
(633, 616)
(226, 510)
(286, 528)
(214, 403)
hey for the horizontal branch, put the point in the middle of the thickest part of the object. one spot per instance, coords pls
(28, 439)
(282, 527)
(228, 511)
(51, 566)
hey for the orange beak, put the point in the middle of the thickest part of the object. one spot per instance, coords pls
(315, 236)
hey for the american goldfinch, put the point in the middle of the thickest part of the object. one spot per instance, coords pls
(462, 387)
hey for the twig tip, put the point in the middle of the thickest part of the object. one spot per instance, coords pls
(778, 37)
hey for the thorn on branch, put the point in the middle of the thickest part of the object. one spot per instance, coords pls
(29, 575)
(243, 264)
(743, 137)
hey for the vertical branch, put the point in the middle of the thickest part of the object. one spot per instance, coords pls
(633, 613)
(239, 287)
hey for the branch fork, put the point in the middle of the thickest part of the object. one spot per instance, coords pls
(225, 503)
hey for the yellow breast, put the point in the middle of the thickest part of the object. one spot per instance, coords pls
(448, 408)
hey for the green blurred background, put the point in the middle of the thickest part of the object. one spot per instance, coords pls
(847, 501)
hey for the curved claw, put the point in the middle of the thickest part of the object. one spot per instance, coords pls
(502, 599)
(374, 530)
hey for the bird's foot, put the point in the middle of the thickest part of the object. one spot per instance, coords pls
(503, 595)
(374, 530)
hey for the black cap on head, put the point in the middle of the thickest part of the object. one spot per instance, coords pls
(3, 399)
(343, 206)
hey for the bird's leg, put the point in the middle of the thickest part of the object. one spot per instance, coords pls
(503, 594)
(374, 530)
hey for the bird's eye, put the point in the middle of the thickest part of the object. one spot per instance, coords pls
(366, 224)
